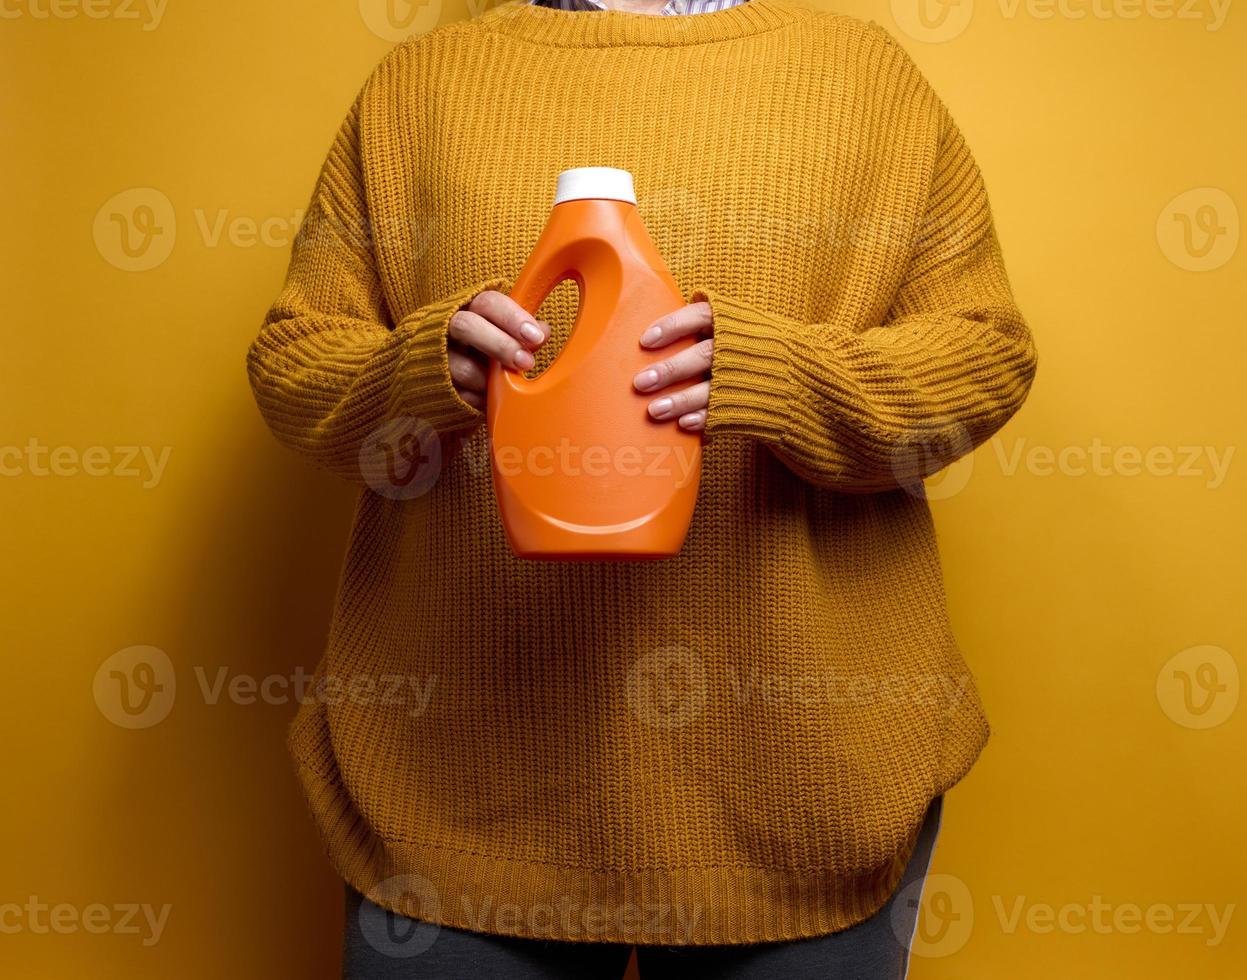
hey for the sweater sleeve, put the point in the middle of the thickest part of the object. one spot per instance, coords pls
(329, 367)
(869, 408)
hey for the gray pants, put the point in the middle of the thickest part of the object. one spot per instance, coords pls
(876, 949)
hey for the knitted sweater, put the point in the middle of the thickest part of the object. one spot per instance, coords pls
(736, 744)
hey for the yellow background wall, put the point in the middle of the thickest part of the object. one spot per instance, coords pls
(1085, 548)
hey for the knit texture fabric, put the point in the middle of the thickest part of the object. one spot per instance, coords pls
(734, 745)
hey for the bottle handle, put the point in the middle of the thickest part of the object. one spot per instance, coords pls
(593, 266)
(530, 290)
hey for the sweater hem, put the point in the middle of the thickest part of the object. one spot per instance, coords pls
(531, 900)
(690, 906)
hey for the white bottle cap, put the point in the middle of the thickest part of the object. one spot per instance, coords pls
(595, 182)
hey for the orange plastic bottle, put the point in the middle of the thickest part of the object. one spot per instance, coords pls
(580, 470)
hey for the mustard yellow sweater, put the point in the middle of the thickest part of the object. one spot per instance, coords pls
(734, 745)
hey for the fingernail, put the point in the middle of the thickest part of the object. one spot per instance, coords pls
(651, 336)
(531, 333)
(523, 360)
(691, 419)
(660, 408)
(646, 380)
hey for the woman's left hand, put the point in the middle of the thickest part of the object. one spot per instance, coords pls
(687, 406)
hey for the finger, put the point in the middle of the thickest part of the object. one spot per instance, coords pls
(472, 352)
(687, 320)
(473, 398)
(679, 403)
(466, 371)
(473, 330)
(504, 312)
(690, 363)
(694, 421)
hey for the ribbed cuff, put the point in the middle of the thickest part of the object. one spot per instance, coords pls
(751, 387)
(423, 385)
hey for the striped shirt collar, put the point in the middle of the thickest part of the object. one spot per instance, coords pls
(672, 8)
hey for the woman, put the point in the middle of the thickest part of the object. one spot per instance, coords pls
(733, 759)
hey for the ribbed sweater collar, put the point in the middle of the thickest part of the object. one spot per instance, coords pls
(610, 28)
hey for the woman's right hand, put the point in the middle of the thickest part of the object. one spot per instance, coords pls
(492, 327)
